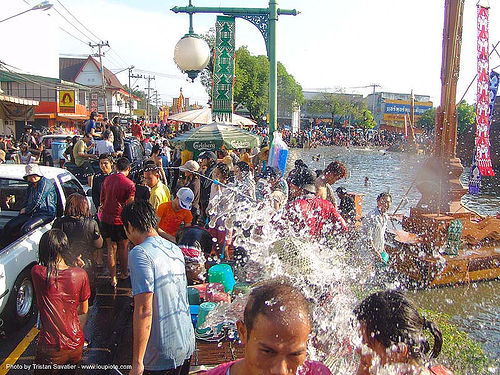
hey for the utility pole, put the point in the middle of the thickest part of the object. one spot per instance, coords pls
(130, 75)
(149, 79)
(100, 45)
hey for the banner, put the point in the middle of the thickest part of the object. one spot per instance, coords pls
(223, 77)
(67, 101)
(483, 94)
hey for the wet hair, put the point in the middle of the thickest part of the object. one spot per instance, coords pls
(243, 166)
(115, 120)
(106, 134)
(384, 195)
(106, 156)
(337, 168)
(122, 164)
(77, 206)
(140, 215)
(156, 148)
(224, 170)
(391, 318)
(54, 243)
(88, 135)
(269, 298)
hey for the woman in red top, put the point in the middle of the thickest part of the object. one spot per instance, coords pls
(62, 293)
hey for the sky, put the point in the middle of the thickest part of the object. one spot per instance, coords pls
(331, 44)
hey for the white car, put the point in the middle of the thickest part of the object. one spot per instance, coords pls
(17, 295)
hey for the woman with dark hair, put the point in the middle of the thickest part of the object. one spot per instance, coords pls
(82, 231)
(393, 337)
(244, 181)
(219, 204)
(62, 294)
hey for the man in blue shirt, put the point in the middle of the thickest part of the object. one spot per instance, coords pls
(39, 206)
(163, 332)
(90, 124)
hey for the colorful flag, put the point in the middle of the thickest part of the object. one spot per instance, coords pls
(482, 149)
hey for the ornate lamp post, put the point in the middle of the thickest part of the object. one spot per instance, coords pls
(265, 20)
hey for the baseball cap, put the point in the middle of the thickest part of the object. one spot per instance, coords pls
(190, 166)
(207, 155)
(186, 197)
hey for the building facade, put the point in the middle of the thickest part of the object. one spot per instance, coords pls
(60, 104)
(389, 108)
(87, 72)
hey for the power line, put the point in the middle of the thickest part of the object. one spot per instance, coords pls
(76, 19)
(67, 32)
(76, 28)
(164, 75)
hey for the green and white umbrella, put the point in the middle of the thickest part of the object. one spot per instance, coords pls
(215, 136)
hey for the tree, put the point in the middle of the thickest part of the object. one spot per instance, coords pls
(290, 95)
(363, 117)
(206, 75)
(466, 116)
(141, 104)
(251, 87)
(427, 121)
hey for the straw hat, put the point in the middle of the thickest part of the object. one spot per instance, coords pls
(190, 166)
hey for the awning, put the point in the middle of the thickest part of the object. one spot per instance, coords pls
(22, 101)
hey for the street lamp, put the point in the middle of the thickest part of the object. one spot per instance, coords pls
(265, 20)
(191, 53)
(44, 5)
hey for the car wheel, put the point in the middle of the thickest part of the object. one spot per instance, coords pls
(21, 302)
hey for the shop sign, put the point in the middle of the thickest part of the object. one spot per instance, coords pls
(204, 146)
(67, 100)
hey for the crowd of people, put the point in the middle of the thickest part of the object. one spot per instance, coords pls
(159, 226)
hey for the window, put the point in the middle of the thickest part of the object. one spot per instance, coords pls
(70, 186)
(12, 194)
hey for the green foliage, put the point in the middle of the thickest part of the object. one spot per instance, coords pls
(290, 95)
(459, 352)
(251, 87)
(428, 120)
(338, 104)
(363, 117)
(207, 73)
(466, 116)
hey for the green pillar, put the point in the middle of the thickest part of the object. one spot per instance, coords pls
(273, 67)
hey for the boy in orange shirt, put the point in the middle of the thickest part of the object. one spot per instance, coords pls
(176, 213)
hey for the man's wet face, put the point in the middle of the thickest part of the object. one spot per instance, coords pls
(384, 204)
(276, 344)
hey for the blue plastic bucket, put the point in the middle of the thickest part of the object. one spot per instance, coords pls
(58, 150)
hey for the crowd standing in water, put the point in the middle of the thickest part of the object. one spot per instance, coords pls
(162, 224)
